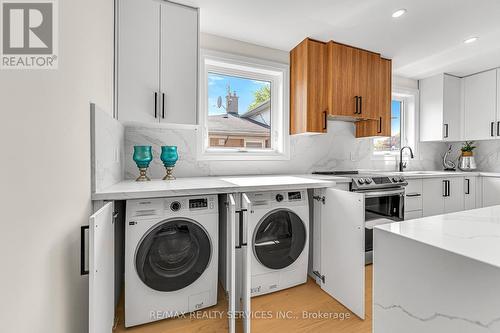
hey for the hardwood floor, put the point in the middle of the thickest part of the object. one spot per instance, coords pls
(291, 302)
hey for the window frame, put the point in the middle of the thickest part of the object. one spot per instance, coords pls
(252, 68)
(409, 99)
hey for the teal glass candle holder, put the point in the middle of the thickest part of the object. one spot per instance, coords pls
(169, 157)
(143, 155)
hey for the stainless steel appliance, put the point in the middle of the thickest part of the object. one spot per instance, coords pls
(384, 203)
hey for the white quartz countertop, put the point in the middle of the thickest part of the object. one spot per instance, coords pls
(130, 189)
(473, 234)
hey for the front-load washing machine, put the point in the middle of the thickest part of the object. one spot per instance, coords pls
(171, 255)
(279, 233)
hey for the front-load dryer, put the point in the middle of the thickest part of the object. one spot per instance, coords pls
(171, 255)
(279, 234)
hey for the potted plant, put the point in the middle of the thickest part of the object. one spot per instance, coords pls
(468, 148)
(467, 162)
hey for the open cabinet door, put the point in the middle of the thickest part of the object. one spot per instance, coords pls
(246, 207)
(102, 270)
(231, 262)
(343, 248)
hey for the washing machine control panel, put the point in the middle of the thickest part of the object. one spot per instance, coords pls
(198, 203)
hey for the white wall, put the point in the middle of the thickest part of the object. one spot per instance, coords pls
(45, 167)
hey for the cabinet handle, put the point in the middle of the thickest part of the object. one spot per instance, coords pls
(498, 128)
(357, 105)
(380, 125)
(468, 186)
(325, 120)
(163, 105)
(492, 128)
(446, 188)
(83, 271)
(156, 105)
(411, 195)
(445, 131)
(360, 104)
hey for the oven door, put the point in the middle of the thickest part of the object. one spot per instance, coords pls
(381, 207)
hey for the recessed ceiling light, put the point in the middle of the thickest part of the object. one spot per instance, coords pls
(399, 13)
(471, 40)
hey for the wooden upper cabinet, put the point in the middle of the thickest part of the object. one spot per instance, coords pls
(308, 87)
(339, 81)
(382, 125)
(353, 75)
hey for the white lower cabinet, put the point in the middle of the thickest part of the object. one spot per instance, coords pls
(490, 191)
(442, 195)
(413, 199)
(470, 184)
(416, 214)
(101, 269)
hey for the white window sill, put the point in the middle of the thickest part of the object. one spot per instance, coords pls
(249, 155)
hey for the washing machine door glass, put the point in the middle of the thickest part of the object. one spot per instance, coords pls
(279, 239)
(173, 255)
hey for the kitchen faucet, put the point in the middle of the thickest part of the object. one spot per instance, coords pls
(401, 164)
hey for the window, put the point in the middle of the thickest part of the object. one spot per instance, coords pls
(404, 126)
(242, 108)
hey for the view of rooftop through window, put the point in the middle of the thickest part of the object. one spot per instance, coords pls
(392, 143)
(239, 112)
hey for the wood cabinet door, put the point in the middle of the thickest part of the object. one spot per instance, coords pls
(343, 61)
(309, 87)
(382, 125)
(368, 75)
(317, 96)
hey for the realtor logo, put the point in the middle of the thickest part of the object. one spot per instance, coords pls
(29, 34)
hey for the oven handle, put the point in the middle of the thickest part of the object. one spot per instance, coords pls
(383, 193)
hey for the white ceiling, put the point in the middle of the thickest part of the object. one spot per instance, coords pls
(425, 41)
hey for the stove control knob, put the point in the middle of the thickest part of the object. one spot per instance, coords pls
(279, 197)
(361, 181)
(368, 181)
(395, 179)
(402, 179)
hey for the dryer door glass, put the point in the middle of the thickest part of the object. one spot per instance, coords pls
(173, 255)
(279, 239)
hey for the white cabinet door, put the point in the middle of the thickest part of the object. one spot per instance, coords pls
(433, 196)
(231, 261)
(101, 270)
(246, 302)
(343, 248)
(454, 200)
(416, 214)
(491, 191)
(452, 114)
(138, 60)
(431, 108)
(480, 105)
(470, 192)
(179, 63)
(440, 108)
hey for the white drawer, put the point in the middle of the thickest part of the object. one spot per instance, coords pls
(413, 215)
(414, 186)
(413, 202)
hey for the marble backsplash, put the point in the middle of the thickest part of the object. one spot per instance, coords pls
(487, 154)
(107, 155)
(336, 150)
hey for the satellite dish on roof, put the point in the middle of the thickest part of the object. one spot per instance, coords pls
(219, 102)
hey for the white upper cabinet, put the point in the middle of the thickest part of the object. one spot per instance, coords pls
(138, 60)
(157, 79)
(440, 108)
(480, 102)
